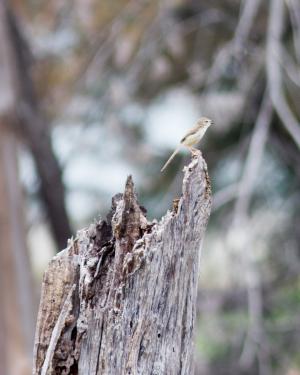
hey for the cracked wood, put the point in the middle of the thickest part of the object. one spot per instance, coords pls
(120, 299)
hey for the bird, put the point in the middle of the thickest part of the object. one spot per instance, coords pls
(191, 138)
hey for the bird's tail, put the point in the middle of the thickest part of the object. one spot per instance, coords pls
(170, 159)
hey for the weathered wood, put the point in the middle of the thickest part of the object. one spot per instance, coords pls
(121, 298)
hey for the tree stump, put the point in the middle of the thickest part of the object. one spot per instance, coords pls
(121, 298)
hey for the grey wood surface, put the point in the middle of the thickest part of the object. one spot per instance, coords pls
(120, 299)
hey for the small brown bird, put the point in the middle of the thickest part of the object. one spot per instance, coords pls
(191, 138)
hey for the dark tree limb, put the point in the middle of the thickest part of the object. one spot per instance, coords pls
(25, 113)
(121, 298)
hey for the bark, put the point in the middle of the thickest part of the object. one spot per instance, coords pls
(121, 298)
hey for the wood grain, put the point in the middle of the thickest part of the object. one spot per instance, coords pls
(120, 299)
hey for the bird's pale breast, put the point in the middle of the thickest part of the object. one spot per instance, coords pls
(193, 139)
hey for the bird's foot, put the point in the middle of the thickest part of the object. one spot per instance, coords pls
(195, 152)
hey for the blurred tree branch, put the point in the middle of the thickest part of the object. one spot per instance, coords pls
(25, 113)
(294, 10)
(274, 75)
(255, 344)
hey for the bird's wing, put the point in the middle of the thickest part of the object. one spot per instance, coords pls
(190, 132)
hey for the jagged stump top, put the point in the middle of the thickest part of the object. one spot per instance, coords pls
(120, 299)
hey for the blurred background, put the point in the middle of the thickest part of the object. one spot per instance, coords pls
(91, 92)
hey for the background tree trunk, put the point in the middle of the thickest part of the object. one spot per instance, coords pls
(17, 310)
(20, 104)
(121, 298)
(18, 305)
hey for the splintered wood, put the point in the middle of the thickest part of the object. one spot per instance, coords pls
(120, 299)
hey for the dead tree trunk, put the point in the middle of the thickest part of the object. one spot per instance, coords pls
(120, 299)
